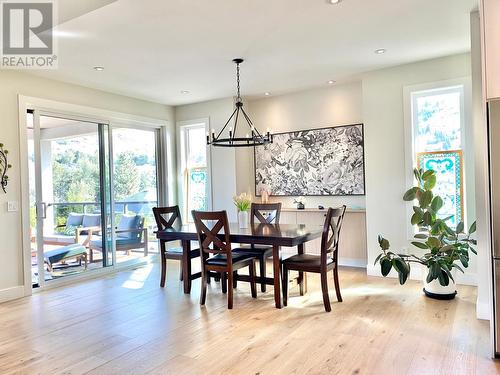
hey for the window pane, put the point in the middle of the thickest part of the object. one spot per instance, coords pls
(448, 168)
(197, 190)
(438, 122)
(197, 156)
(437, 117)
(135, 192)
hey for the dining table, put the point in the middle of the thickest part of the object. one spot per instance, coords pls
(275, 235)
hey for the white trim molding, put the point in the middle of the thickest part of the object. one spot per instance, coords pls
(11, 293)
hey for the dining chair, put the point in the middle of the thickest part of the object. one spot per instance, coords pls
(217, 254)
(326, 261)
(265, 213)
(165, 218)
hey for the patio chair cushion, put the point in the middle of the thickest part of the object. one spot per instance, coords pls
(59, 238)
(91, 220)
(74, 220)
(97, 242)
(61, 253)
(128, 222)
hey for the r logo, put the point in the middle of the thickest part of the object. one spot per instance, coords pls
(27, 28)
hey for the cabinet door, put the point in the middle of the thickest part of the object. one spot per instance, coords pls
(288, 217)
(352, 245)
(312, 218)
(491, 43)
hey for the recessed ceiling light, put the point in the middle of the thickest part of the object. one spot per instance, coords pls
(184, 91)
(98, 68)
(334, 1)
(380, 51)
(331, 82)
(267, 93)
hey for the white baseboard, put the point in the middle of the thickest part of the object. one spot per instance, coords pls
(352, 262)
(416, 274)
(483, 310)
(11, 293)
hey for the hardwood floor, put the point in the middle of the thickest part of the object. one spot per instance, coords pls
(126, 324)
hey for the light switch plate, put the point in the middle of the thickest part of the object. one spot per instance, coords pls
(12, 206)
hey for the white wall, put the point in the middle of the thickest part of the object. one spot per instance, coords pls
(386, 172)
(223, 161)
(11, 84)
(319, 108)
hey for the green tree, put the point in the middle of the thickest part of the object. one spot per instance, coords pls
(126, 176)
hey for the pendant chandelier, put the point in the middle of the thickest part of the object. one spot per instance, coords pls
(229, 139)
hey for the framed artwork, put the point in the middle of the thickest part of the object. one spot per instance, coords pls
(327, 161)
(449, 173)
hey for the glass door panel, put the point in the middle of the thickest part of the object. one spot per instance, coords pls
(135, 192)
(69, 199)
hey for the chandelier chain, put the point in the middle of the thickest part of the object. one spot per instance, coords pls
(238, 80)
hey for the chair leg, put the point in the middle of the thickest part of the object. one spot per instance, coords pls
(203, 294)
(163, 270)
(224, 282)
(253, 284)
(337, 286)
(284, 279)
(208, 278)
(262, 270)
(181, 276)
(235, 279)
(229, 290)
(324, 288)
(217, 277)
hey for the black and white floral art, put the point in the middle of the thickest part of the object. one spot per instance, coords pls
(326, 161)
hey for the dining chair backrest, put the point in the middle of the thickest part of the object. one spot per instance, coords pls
(331, 233)
(272, 210)
(166, 217)
(213, 232)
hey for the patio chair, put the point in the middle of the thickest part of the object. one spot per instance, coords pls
(130, 235)
(77, 225)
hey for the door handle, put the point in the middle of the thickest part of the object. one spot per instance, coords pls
(41, 208)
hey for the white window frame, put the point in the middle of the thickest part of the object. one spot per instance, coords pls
(410, 94)
(182, 141)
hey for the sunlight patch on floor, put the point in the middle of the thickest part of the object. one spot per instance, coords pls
(138, 277)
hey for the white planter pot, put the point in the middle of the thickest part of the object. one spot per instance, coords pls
(435, 290)
(243, 219)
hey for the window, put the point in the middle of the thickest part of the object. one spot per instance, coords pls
(194, 168)
(437, 117)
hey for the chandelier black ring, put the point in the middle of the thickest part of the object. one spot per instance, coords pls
(254, 138)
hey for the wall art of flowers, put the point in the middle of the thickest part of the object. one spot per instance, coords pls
(327, 161)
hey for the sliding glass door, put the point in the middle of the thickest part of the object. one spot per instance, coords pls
(92, 189)
(135, 192)
(69, 196)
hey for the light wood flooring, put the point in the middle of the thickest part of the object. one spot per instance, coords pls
(126, 324)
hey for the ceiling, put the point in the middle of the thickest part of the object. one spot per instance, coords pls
(154, 49)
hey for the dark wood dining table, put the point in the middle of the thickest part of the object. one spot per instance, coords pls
(275, 235)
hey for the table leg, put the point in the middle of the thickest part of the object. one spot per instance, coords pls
(302, 280)
(186, 266)
(277, 276)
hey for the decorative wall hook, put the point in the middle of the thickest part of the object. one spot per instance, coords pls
(4, 167)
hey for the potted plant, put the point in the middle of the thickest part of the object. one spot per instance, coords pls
(300, 202)
(447, 249)
(242, 203)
